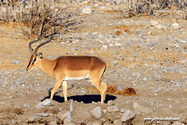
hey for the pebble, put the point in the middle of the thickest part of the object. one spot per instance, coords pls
(110, 103)
(141, 108)
(112, 108)
(86, 10)
(175, 26)
(122, 110)
(16, 62)
(117, 122)
(68, 115)
(72, 106)
(43, 114)
(39, 106)
(67, 122)
(47, 102)
(34, 119)
(52, 123)
(61, 116)
(26, 105)
(97, 123)
(127, 115)
(153, 23)
(177, 123)
(97, 112)
(74, 49)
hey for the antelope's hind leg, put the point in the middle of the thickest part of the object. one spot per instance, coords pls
(64, 85)
(101, 86)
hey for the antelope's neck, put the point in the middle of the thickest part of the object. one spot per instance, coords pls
(47, 66)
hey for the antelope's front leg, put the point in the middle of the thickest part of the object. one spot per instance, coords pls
(64, 85)
(57, 85)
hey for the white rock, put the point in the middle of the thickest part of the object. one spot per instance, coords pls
(34, 119)
(117, 122)
(159, 26)
(110, 102)
(47, 102)
(97, 123)
(127, 115)
(68, 122)
(43, 114)
(72, 106)
(153, 23)
(97, 112)
(86, 10)
(112, 108)
(122, 110)
(175, 26)
(39, 106)
(142, 108)
(105, 46)
(177, 123)
(68, 115)
(52, 123)
(61, 116)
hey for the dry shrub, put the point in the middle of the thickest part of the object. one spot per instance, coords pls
(112, 90)
(18, 111)
(55, 111)
(118, 33)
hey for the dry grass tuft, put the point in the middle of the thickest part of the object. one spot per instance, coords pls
(18, 111)
(112, 90)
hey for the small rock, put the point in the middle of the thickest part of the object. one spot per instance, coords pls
(105, 46)
(68, 122)
(86, 10)
(16, 62)
(68, 115)
(112, 108)
(43, 114)
(159, 26)
(34, 119)
(72, 106)
(61, 116)
(83, 91)
(52, 123)
(142, 108)
(74, 49)
(122, 110)
(127, 115)
(153, 23)
(110, 102)
(175, 26)
(97, 123)
(177, 123)
(117, 122)
(97, 112)
(47, 102)
(26, 105)
(39, 106)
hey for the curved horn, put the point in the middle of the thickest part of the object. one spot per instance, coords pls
(40, 33)
(35, 51)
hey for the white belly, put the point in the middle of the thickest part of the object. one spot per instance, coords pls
(76, 78)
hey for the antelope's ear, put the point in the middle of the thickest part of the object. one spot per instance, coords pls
(40, 55)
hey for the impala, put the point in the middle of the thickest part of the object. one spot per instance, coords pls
(69, 68)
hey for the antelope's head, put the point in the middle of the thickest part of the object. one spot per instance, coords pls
(35, 58)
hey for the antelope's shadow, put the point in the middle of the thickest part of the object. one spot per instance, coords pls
(82, 98)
